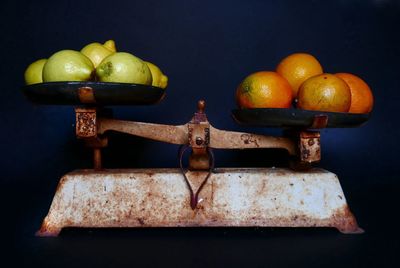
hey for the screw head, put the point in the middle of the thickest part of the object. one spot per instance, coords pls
(199, 141)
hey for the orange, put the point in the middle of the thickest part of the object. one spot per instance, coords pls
(324, 92)
(297, 68)
(264, 90)
(362, 99)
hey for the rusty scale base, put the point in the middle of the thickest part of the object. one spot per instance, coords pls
(203, 196)
(232, 197)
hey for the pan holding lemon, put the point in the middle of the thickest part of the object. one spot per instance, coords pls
(95, 62)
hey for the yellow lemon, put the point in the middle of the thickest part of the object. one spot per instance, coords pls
(110, 44)
(124, 67)
(68, 65)
(159, 79)
(33, 74)
(96, 52)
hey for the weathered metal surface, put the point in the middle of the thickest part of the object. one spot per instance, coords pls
(158, 132)
(319, 121)
(86, 95)
(221, 139)
(86, 122)
(199, 134)
(199, 139)
(199, 159)
(97, 142)
(194, 185)
(310, 146)
(97, 159)
(231, 197)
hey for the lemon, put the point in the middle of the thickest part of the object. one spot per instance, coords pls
(96, 52)
(124, 67)
(68, 65)
(110, 44)
(33, 74)
(159, 79)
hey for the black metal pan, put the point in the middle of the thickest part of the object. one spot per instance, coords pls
(296, 118)
(93, 93)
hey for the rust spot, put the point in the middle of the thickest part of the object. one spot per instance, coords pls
(262, 187)
(86, 95)
(320, 121)
(85, 123)
(311, 142)
(212, 192)
(344, 220)
(248, 138)
(61, 183)
(305, 154)
(141, 221)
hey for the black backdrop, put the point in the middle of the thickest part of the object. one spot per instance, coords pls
(206, 48)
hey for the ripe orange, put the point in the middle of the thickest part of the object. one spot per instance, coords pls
(264, 90)
(324, 92)
(297, 68)
(362, 99)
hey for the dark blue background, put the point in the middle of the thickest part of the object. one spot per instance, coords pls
(206, 48)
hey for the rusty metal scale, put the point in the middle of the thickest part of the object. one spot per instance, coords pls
(200, 195)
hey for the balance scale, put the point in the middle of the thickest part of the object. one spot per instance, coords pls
(201, 194)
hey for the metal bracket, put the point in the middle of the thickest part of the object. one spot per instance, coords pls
(87, 128)
(86, 122)
(199, 135)
(199, 139)
(310, 149)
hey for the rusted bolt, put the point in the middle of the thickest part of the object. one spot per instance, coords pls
(199, 141)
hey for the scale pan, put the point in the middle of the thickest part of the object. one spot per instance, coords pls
(296, 118)
(93, 93)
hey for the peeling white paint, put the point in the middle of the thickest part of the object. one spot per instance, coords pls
(231, 197)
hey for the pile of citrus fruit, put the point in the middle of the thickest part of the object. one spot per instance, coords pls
(300, 80)
(95, 62)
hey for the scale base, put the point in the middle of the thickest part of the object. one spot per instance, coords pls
(262, 197)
